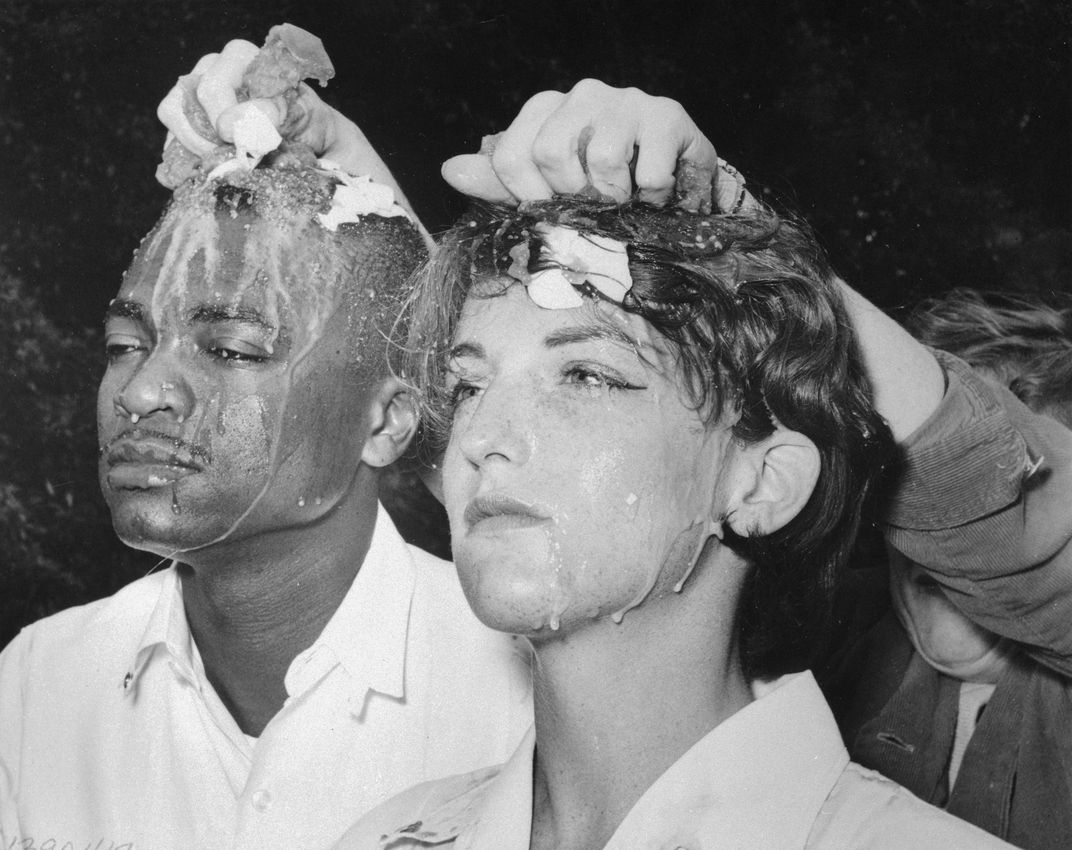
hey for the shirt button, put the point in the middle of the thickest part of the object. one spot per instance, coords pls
(262, 800)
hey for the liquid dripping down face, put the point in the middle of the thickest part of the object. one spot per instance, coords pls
(232, 402)
(577, 473)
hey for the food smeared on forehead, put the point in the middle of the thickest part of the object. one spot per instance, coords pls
(263, 226)
(293, 244)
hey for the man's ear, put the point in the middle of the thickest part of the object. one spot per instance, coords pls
(775, 479)
(392, 423)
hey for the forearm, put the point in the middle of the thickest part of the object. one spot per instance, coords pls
(983, 504)
(907, 383)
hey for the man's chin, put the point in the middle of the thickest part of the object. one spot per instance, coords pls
(158, 530)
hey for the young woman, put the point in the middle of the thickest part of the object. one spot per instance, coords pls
(656, 442)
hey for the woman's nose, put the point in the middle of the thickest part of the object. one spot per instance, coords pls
(155, 388)
(496, 429)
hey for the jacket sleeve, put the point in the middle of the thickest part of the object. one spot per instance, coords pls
(985, 503)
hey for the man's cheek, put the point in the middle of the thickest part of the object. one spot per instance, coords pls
(249, 428)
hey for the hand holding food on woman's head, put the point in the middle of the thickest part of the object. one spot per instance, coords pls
(602, 142)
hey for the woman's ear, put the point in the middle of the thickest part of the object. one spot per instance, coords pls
(776, 478)
(392, 423)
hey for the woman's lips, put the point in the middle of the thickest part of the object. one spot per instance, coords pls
(496, 513)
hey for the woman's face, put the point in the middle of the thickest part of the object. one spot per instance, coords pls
(578, 477)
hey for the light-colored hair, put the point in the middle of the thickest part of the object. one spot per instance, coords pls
(1022, 342)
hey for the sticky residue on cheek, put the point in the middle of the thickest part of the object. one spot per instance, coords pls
(562, 583)
(686, 548)
(246, 420)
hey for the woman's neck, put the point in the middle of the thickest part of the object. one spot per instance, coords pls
(617, 705)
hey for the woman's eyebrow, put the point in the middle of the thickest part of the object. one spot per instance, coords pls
(467, 349)
(589, 333)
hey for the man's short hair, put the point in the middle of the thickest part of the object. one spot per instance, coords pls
(754, 316)
(270, 227)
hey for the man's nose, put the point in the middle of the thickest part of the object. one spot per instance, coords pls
(156, 387)
(497, 429)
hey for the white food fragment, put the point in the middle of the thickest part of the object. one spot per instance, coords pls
(355, 197)
(552, 290)
(254, 135)
(603, 261)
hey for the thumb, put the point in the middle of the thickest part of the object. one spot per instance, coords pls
(472, 175)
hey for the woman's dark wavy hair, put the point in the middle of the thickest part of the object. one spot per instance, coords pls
(753, 314)
(1023, 341)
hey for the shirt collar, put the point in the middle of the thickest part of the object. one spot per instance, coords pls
(758, 779)
(167, 627)
(368, 633)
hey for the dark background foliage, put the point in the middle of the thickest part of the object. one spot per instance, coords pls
(927, 142)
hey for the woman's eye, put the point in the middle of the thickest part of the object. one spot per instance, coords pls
(597, 379)
(462, 391)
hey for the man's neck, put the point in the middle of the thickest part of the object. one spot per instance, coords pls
(256, 605)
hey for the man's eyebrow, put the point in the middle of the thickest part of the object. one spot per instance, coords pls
(467, 349)
(120, 308)
(596, 332)
(212, 313)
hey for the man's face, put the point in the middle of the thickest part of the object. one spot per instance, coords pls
(231, 404)
(942, 634)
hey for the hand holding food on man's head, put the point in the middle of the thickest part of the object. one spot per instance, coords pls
(245, 86)
(600, 141)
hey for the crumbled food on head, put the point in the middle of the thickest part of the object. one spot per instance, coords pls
(693, 186)
(290, 55)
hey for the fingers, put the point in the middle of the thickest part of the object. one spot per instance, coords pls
(586, 142)
(219, 83)
(512, 159)
(472, 175)
(176, 111)
(615, 140)
(191, 111)
(595, 139)
(666, 139)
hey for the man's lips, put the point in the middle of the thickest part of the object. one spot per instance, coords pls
(146, 460)
(497, 512)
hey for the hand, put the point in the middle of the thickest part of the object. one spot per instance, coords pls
(596, 139)
(201, 111)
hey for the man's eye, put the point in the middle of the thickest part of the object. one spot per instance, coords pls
(235, 354)
(120, 346)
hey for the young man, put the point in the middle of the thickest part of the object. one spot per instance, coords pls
(298, 661)
(961, 691)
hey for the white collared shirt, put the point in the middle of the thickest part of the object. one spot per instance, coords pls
(774, 775)
(112, 737)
